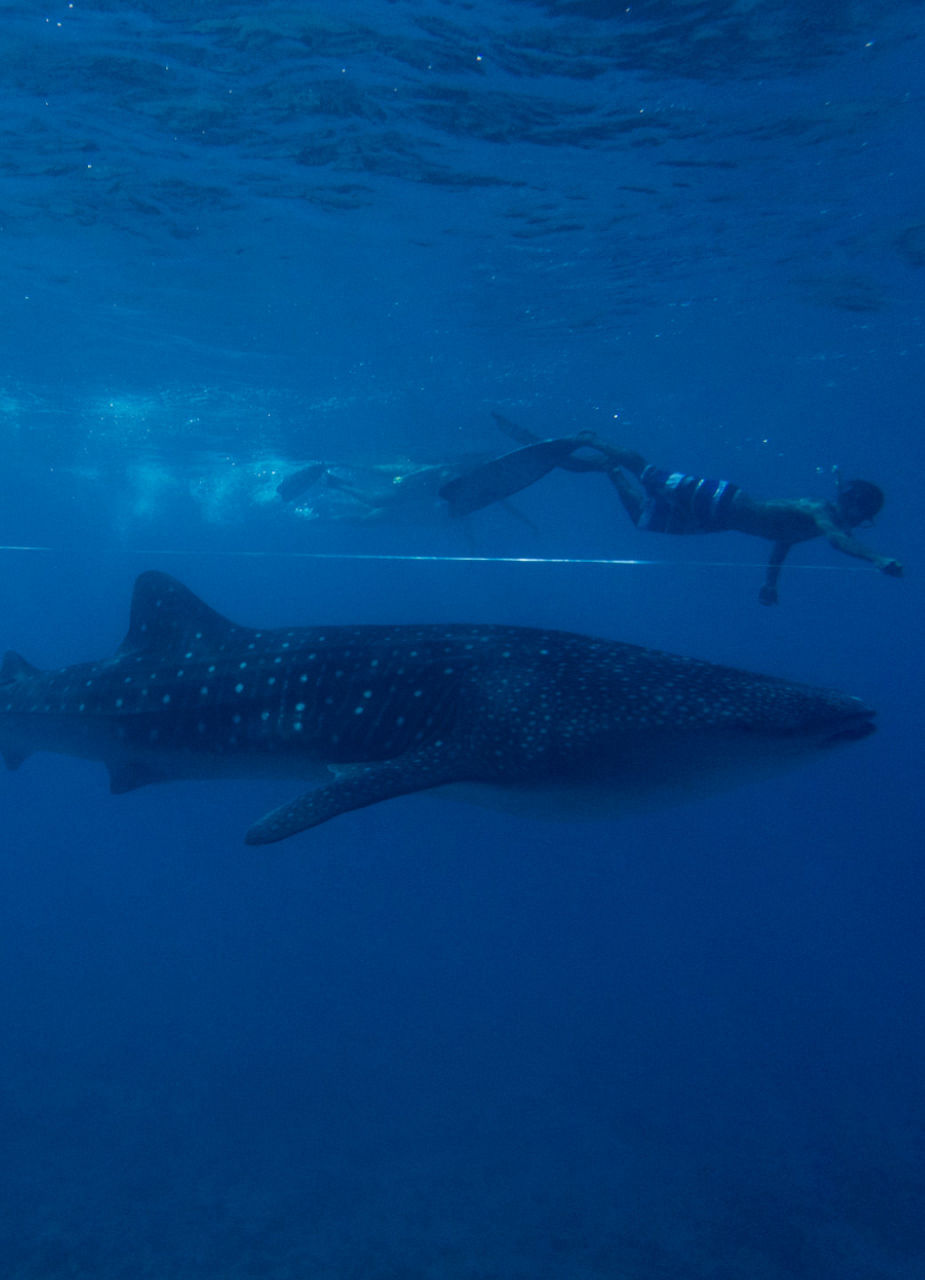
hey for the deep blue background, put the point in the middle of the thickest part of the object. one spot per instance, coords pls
(427, 1040)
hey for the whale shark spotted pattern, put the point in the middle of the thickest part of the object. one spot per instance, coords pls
(373, 712)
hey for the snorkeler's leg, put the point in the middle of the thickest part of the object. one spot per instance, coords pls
(629, 459)
(633, 501)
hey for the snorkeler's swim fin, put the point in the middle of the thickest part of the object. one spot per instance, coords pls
(501, 477)
(514, 431)
(523, 435)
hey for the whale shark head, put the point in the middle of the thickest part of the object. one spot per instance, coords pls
(636, 728)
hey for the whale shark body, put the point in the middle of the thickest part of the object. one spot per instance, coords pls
(367, 713)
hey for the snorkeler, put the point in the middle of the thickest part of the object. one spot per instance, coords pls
(669, 502)
(660, 501)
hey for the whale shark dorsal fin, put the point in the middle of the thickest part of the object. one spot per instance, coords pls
(166, 617)
(15, 667)
(362, 785)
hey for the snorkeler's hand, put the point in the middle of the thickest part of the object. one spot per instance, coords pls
(892, 568)
(768, 595)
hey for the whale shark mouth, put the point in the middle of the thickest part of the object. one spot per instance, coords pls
(852, 729)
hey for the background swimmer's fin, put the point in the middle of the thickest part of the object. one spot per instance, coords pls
(501, 477)
(299, 481)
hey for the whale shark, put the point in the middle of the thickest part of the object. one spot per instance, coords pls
(548, 719)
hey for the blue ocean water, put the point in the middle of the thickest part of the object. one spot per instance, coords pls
(429, 1040)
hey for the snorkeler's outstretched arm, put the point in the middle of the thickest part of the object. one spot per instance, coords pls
(768, 593)
(842, 541)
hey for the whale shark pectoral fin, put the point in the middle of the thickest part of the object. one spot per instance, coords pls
(362, 785)
(129, 775)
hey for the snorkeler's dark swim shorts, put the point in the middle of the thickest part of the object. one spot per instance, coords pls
(676, 503)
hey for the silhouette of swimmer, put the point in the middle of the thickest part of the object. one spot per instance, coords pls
(379, 491)
(356, 492)
(660, 501)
